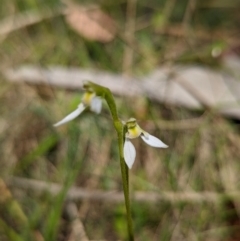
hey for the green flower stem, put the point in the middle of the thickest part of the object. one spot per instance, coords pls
(121, 130)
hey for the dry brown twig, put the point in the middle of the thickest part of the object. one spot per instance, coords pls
(78, 232)
(129, 36)
(190, 9)
(77, 194)
(77, 228)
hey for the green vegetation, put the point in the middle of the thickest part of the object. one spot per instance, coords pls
(202, 158)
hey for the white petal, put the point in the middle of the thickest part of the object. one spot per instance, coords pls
(153, 141)
(96, 104)
(129, 153)
(72, 115)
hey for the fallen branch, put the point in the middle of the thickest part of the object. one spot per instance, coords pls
(72, 78)
(77, 194)
(192, 87)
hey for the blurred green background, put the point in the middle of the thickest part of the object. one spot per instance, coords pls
(203, 155)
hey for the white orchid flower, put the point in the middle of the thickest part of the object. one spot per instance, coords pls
(89, 100)
(134, 131)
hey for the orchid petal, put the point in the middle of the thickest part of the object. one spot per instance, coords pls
(96, 104)
(129, 153)
(72, 115)
(153, 141)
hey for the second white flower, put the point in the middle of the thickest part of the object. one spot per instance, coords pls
(134, 131)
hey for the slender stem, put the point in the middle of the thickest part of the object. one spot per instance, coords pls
(125, 181)
(121, 130)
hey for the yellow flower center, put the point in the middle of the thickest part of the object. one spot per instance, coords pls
(87, 98)
(133, 128)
